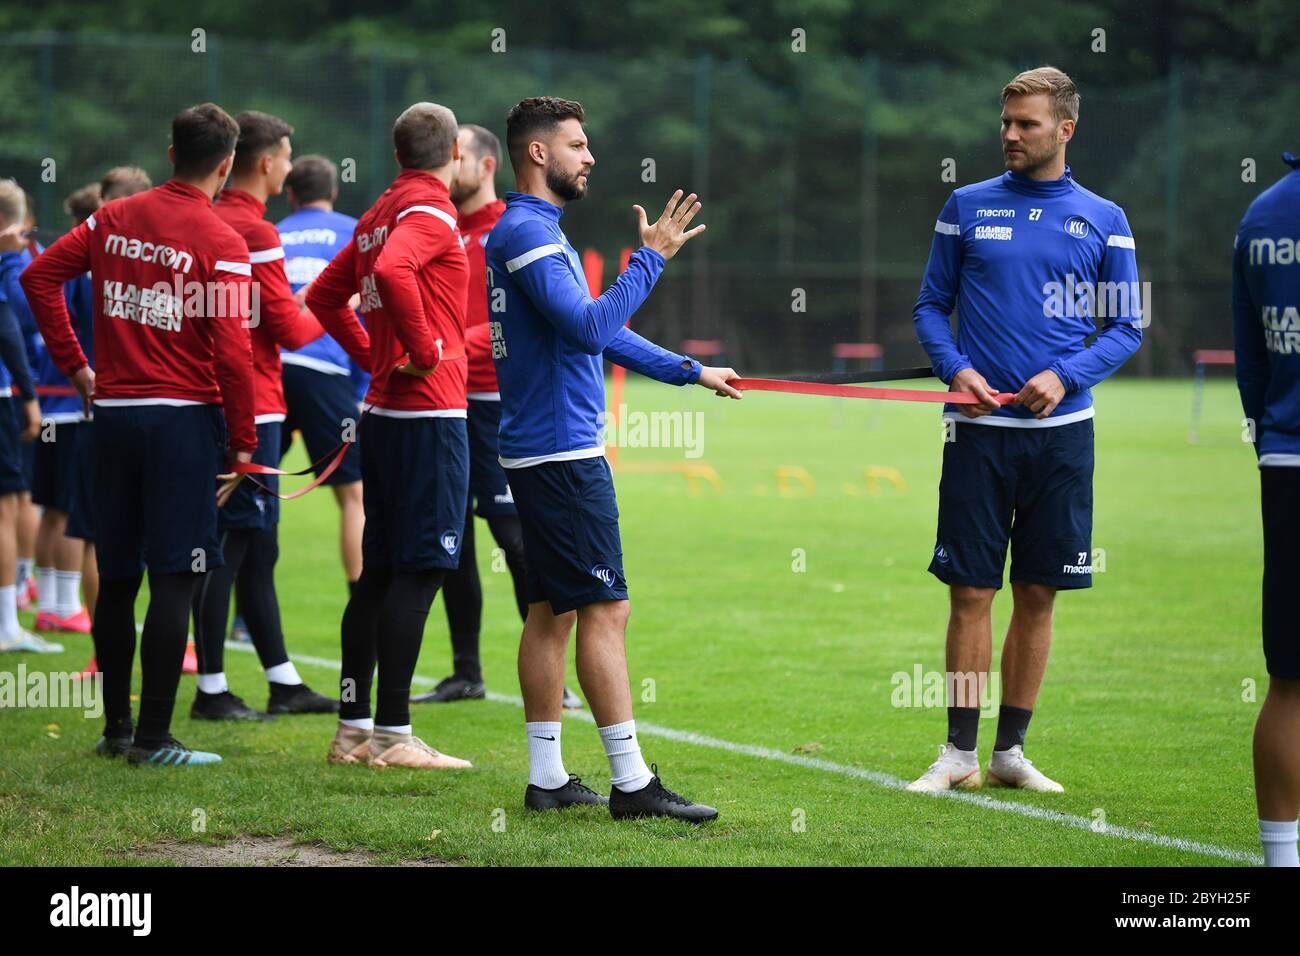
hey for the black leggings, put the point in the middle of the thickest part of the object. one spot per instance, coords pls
(250, 555)
(384, 624)
(463, 593)
(162, 651)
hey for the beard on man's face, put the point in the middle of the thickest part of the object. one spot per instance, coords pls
(462, 189)
(567, 188)
(1033, 159)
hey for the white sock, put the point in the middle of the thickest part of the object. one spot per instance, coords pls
(627, 769)
(403, 729)
(69, 592)
(545, 765)
(25, 566)
(47, 591)
(361, 723)
(213, 683)
(9, 611)
(1279, 839)
(284, 673)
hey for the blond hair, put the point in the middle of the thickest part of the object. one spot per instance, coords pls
(123, 181)
(13, 203)
(1060, 89)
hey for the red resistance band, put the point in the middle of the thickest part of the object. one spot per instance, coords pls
(334, 458)
(851, 391)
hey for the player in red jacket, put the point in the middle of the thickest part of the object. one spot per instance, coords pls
(249, 522)
(406, 262)
(171, 297)
(478, 208)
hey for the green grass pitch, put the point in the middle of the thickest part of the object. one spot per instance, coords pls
(1145, 716)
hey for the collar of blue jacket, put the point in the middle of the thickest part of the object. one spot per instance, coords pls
(535, 203)
(1039, 187)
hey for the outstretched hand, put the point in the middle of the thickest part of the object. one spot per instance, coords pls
(669, 233)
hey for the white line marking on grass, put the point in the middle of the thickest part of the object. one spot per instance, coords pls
(885, 780)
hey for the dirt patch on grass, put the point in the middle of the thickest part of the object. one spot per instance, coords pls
(265, 851)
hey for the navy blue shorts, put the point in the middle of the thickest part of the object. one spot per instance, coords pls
(415, 475)
(1279, 497)
(81, 510)
(155, 490)
(249, 506)
(573, 554)
(323, 408)
(12, 477)
(489, 488)
(57, 460)
(1030, 487)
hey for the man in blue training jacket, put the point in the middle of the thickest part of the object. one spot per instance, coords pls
(1030, 260)
(548, 337)
(1266, 330)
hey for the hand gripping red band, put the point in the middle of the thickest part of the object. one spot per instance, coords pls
(334, 459)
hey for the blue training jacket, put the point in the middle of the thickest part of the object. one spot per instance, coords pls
(1266, 317)
(311, 238)
(18, 351)
(77, 293)
(548, 336)
(1030, 265)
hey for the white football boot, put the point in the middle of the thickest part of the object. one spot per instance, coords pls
(1011, 768)
(28, 643)
(954, 770)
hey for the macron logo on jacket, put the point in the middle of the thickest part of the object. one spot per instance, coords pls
(162, 254)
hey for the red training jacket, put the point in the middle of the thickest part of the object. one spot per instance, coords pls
(278, 320)
(406, 261)
(172, 290)
(482, 375)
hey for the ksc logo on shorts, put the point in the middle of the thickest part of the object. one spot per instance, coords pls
(450, 540)
(604, 574)
(1077, 227)
(941, 555)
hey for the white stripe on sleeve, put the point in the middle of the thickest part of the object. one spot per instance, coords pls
(1121, 242)
(238, 268)
(432, 211)
(266, 255)
(532, 255)
(947, 228)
